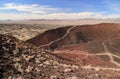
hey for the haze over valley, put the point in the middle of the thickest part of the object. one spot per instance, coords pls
(59, 39)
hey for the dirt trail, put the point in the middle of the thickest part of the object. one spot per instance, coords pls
(68, 31)
(110, 55)
(106, 52)
(98, 68)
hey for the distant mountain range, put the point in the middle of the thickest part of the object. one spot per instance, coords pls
(61, 21)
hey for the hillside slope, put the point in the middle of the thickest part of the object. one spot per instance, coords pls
(89, 45)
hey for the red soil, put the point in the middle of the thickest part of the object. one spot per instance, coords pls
(83, 43)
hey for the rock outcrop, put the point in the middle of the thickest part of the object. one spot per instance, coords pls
(19, 60)
(74, 52)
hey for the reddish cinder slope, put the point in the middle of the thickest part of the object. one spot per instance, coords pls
(95, 53)
(87, 33)
(76, 35)
(94, 45)
(48, 36)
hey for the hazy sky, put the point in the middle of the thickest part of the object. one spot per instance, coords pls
(59, 9)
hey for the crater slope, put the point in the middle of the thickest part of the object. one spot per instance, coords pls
(88, 45)
(20, 60)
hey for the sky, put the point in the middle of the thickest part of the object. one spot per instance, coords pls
(58, 9)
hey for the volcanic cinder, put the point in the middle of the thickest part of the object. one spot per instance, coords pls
(71, 52)
(88, 45)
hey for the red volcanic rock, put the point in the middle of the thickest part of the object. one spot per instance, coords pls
(87, 33)
(77, 34)
(19, 60)
(95, 45)
(79, 52)
(48, 36)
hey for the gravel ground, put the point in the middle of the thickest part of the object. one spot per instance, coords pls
(19, 60)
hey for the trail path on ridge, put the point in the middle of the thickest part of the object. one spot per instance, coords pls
(68, 31)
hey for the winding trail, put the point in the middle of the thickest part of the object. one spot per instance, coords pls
(110, 55)
(98, 68)
(106, 52)
(68, 31)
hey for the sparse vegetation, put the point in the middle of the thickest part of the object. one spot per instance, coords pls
(21, 60)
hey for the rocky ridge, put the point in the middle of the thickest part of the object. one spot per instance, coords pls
(25, 31)
(21, 60)
(94, 45)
